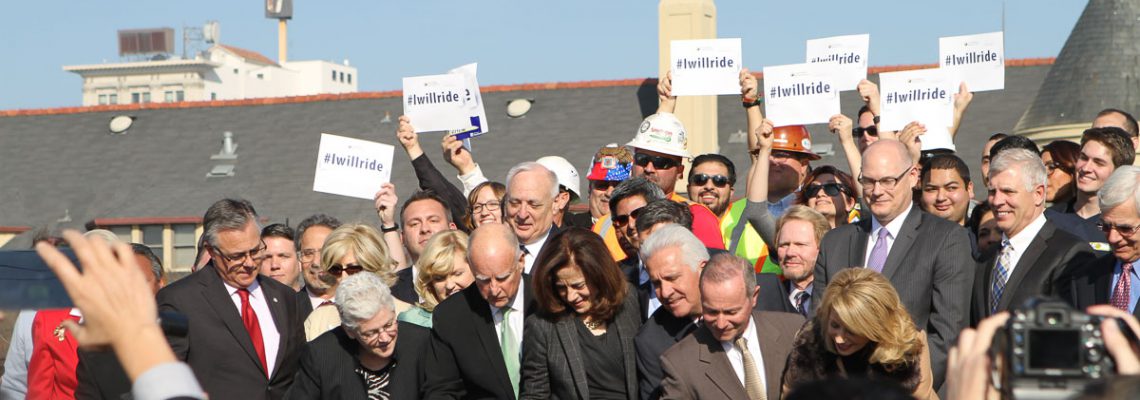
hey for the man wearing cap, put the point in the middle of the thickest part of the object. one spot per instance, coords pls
(567, 192)
(611, 165)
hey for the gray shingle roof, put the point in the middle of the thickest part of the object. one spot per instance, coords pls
(53, 163)
(1096, 69)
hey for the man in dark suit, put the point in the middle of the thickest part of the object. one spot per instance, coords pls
(311, 234)
(1111, 279)
(674, 258)
(423, 215)
(369, 352)
(926, 258)
(245, 332)
(798, 234)
(737, 353)
(477, 333)
(1034, 252)
(532, 197)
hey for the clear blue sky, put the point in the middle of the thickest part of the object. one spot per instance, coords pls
(513, 41)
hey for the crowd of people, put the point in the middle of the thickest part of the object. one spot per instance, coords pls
(887, 281)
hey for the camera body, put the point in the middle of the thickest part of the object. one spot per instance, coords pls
(1049, 350)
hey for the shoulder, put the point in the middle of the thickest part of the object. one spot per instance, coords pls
(844, 232)
(272, 286)
(687, 347)
(412, 335)
(781, 320)
(932, 222)
(448, 312)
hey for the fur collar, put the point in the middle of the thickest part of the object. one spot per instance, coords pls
(810, 361)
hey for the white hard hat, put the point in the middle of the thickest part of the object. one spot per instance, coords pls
(663, 133)
(567, 174)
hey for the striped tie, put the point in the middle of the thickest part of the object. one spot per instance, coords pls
(1001, 274)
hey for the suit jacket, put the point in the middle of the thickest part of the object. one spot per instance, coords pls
(430, 179)
(328, 366)
(464, 360)
(304, 306)
(929, 265)
(218, 348)
(629, 267)
(773, 294)
(1038, 271)
(698, 367)
(582, 220)
(553, 366)
(658, 334)
(405, 287)
(101, 376)
(1090, 284)
(51, 372)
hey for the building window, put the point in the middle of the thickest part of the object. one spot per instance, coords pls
(122, 231)
(350, 78)
(135, 98)
(342, 77)
(185, 246)
(213, 96)
(114, 98)
(334, 76)
(152, 237)
(168, 96)
(102, 99)
(235, 71)
(260, 76)
(180, 95)
(146, 97)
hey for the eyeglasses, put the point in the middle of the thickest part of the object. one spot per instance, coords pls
(1124, 230)
(390, 328)
(831, 189)
(490, 206)
(620, 221)
(256, 254)
(870, 130)
(659, 162)
(308, 255)
(887, 183)
(701, 179)
(337, 270)
(602, 186)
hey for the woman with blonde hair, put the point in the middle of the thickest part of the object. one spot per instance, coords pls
(861, 329)
(348, 250)
(441, 271)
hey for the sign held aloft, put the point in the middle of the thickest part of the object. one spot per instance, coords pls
(705, 67)
(800, 94)
(472, 103)
(846, 54)
(436, 102)
(924, 95)
(352, 167)
(978, 60)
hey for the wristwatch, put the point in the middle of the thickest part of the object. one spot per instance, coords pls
(875, 119)
(393, 228)
(747, 104)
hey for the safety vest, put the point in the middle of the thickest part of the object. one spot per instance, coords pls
(605, 228)
(742, 240)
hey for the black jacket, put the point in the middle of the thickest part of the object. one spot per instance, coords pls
(328, 366)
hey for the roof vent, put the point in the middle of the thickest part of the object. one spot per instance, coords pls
(229, 148)
(120, 123)
(221, 171)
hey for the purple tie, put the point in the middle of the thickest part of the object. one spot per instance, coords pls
(879, 252)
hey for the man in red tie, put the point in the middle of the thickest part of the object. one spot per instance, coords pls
(244, 329)
(1112, 278)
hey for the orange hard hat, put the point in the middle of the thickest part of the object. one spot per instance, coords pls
(793, 138)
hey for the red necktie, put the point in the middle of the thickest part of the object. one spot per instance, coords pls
(249, 319)
(1121, 296)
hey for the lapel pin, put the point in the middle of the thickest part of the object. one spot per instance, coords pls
(274, 299)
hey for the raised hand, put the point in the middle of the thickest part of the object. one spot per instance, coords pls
(457, 155)
(408, 138)
(385, 202)
(749, 90)
(869, 91)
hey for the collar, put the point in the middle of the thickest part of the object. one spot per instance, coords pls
(789, 200)
(534, 248)
(254, 289)
(516, 303)
(1021, 240)
(894, 226)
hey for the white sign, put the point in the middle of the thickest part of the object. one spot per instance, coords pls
(846, 54)
(436, 102)
(800, 94)
(705, 67)
(978, 60)
(925, 95)
(472, 102)
(352, 167)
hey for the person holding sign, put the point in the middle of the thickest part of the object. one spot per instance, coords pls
(428, 175)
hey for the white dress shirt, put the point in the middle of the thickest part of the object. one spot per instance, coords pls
(315, 300)
(269, 335)
(1021, 241)
(533, 249)
(795, 290)
(736, 357)
(516, 319)
(894, 227)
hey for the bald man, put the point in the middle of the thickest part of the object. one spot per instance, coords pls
(475, 354)
(927, 258)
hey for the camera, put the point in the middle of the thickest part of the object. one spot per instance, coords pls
(1049, 350)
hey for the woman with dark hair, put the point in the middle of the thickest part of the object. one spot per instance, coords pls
(1060, 158)
(484, 204)
(984, 227)
(831, 192)
(861, 329)
(580, 344)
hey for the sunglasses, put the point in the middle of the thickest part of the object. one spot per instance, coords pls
(621, 221)
(870, 130)
(719, 181)
(659, 162)
(337, 270)
(604, 185)
(1124, 230)
(831, 189)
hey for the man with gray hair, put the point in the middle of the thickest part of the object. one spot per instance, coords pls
(532, 197)
(1112, 278)
(737, 352)
(674, 258)
(1033, 252)
(310, 237)
(358, 359)
(244, 332)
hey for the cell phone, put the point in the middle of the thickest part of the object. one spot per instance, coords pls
(26, 282)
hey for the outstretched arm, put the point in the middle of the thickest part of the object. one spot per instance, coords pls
(668, 102)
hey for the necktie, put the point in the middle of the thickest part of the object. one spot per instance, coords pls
(752, 384)
(801, 297)
(879, 252)
(509, 346)
(1122, 295)
(1001, 274)
(325, 303)
(249, 319)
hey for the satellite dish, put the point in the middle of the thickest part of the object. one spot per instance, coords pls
(120, 123)
(518, 107)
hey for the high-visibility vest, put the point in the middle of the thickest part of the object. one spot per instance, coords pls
(742, 240)
(605, 228)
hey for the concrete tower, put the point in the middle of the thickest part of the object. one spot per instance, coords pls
(680, 20)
